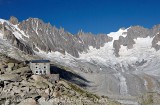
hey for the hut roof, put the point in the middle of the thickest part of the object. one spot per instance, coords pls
(40, 61)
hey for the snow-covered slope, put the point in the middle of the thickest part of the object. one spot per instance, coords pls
(126, 62)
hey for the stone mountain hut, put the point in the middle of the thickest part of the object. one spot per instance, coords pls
(40, 67)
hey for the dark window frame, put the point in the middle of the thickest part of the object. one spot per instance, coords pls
(44, 71)
(40, 71)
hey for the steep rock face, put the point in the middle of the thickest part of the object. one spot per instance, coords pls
(10, 32)
(34, 35)
(48, 38)
(13, 20)
(155, 42)
(88, 39)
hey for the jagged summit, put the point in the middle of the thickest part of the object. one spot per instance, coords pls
(40, 35)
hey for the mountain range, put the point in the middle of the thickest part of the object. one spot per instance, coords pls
(122, 63)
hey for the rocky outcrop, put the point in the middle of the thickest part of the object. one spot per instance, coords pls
(155, 41)
(42, 36)
(13, 20)
(20, 87)
(10, 77)
(150, 98)
(11, 34)
(28, 101)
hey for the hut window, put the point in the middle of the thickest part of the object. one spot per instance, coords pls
(44, 66)
(36, 67)
(40, 71)
(44, 72)
(36, 71)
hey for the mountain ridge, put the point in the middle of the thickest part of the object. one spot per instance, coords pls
(74, 44)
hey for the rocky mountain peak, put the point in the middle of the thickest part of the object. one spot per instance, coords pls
(13, 20)
(40, 36)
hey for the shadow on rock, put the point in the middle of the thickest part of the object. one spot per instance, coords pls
(69, 76)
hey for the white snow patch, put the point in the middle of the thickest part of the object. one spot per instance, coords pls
(115, 35)
(141, 50)
(36, 28)
(17, 35)
(22, 32)
(128, 102)
(145, 84)
(158, 43)
(1, 35)
(123, 84)
(66, 59)
(2, 21)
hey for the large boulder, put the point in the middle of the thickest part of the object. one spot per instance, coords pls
(10, 77)
(56, 94)
(2, 66)
(37, 78)
(43, 101)
(10, 66)
(16, 90)
(29, 101)
(40, 79)
(21, 70)
(41, 85)
(26, 84)
(47, 91)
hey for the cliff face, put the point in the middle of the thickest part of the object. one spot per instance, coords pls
(39, 35)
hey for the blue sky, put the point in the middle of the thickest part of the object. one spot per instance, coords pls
(96, 16)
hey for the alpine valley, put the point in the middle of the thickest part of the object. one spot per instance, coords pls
(120, 65)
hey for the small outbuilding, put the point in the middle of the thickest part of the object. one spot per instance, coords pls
(40, 67)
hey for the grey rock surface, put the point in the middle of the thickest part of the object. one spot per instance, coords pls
(48, 38)
(13, 20)
(10, 77)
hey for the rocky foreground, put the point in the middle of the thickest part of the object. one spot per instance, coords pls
(19, 87)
